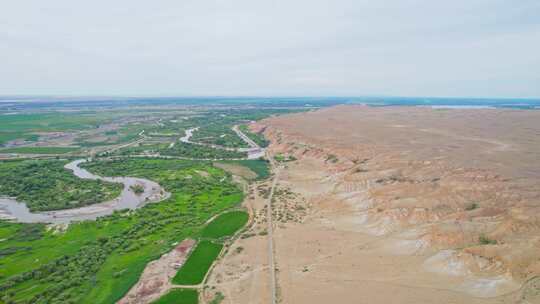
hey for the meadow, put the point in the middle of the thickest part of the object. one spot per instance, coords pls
(225, 225)
(260, 167)
(40, 150)
(25, 126)
(208, 249)
(198, 263)
(126, 133)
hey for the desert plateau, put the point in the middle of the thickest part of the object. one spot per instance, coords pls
(399, 205)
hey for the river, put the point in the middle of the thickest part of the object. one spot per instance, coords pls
(18, 211)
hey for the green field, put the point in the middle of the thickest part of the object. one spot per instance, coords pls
(22, 126)
(40, 150)
(198, 263)
(202, 257)
(124, 134)
(179, 296)
(6, 136)
(98, 261)
(47, 185)
(225, 225)
(261, 167)
(25, 126)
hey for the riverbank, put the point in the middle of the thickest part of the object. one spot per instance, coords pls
(10, 209)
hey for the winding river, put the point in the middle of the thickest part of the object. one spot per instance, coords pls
(253, 152)
(18, 211)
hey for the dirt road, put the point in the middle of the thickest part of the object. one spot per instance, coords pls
(271, 263)
(245, 138)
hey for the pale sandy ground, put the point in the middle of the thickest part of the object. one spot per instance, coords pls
(156, 278)
(242, 274)
(380, 210)
(329, 259)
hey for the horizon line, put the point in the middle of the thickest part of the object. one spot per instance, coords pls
(127, 96)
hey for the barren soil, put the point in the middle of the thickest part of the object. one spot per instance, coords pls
(399, 205)
(155, 280)
(242, 274)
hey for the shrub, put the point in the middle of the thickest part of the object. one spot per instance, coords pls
(471, 206)
(484, 240)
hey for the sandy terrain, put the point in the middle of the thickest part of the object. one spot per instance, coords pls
(398, 205)
(155, 280)
(241, 276)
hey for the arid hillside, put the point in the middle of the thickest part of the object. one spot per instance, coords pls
(409, 204)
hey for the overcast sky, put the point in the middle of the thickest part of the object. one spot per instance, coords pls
(254, 47)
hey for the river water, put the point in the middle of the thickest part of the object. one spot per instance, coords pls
(18, 211)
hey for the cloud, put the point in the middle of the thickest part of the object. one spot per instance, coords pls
(295, 47)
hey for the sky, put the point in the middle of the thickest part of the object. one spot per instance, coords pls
(468, 48)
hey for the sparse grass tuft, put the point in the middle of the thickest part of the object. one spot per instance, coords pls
(471, 206)
(484, 240)
(218, 298)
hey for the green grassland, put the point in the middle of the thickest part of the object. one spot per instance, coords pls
(98, 261)
(25, 126)
(22, 126)
(124, 134)
(7, 136)
(40, 150)
(52, 121)
(179, 296)
(198, 263)
(225, 224)
(215, 125)
(208, 249)
(284, 158)
(47, 185)
(260, 167)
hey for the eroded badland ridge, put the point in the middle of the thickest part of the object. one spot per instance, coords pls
(409, 205)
